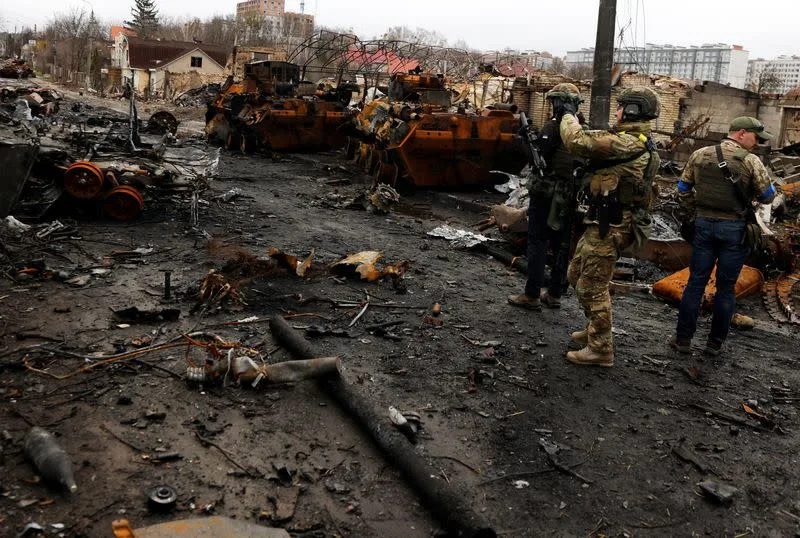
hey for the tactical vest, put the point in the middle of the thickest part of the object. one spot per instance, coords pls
(715, 195)
(635, 191)
(560, 163)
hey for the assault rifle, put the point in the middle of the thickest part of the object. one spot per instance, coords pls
(530, 144)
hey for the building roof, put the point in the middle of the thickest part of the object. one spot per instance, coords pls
(393, 62)
(119, 29)
(152, 54)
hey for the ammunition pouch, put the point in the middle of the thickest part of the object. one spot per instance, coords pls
(541, 187)
(641, 227)
(561, 206)
(606, 210)
(633, 192)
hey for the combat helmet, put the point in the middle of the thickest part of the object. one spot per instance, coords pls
(639, 103)
(565, 91)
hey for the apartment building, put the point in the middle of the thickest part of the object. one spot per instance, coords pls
(719, 62)
(266, 8)
(784, 70)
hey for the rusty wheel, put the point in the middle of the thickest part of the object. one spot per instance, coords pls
(123, 203)
(84, 180)
(162, 122)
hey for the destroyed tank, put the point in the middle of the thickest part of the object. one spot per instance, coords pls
(270, 110)
(412, 138)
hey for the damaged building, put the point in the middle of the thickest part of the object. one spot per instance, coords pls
(161, 68)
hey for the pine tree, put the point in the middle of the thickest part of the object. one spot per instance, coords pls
(145, 18)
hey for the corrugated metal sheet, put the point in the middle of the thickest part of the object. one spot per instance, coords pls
(152, 54)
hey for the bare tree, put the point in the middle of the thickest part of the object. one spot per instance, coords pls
(73, 41)
(558, 67)
(579, 71)
(768, 81)
(419, 35)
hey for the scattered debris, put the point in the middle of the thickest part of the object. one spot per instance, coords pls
(362, 265)
(243, 369)
(743, 322)
(722, 493)
(133, 314)
(407, 422)
(290, 262)
(14, 68)
(49, 458)
(382, 199)
(162, 498)
(285, 501)
(689, 456)
(458, 238)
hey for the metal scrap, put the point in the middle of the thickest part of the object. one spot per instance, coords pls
(458, 238)
(15, 68)
(363, 265)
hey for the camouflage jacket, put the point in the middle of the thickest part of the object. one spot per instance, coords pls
(744, 163)
(619, 143)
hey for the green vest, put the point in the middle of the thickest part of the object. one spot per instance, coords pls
(715, 195)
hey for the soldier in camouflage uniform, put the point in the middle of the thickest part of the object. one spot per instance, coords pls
(718, 184)
(624, 163)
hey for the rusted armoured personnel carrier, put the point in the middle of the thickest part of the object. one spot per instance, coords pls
(270, 109)
(415, 137)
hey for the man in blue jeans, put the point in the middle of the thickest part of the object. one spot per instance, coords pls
(708, 194)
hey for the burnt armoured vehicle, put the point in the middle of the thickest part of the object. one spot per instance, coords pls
(271, 109)
(18, 150)
(413, 138)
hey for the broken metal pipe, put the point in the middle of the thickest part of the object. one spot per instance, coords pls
(441, 498)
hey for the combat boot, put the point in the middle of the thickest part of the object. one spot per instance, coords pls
(581, 337)
(713, 347)
(680, 344)
(525, 301)
(549, 301)
(587, 357)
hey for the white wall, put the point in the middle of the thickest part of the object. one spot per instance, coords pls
(737, 70)
(184, 64)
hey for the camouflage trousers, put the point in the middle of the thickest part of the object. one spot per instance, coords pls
(590, 273)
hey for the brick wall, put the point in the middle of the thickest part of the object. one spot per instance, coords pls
(177, 83)
(529, 96)
(721, 103)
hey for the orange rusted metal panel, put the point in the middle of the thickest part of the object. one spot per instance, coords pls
(671, 288)
(198, 528)
(454, 150)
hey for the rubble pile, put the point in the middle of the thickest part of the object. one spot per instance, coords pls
(26, 103)
(91, 161)
(14, 68)
(201, 96)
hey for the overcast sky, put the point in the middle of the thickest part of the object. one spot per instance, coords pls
(766, 29)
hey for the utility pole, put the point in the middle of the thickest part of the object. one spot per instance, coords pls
(600, 107)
